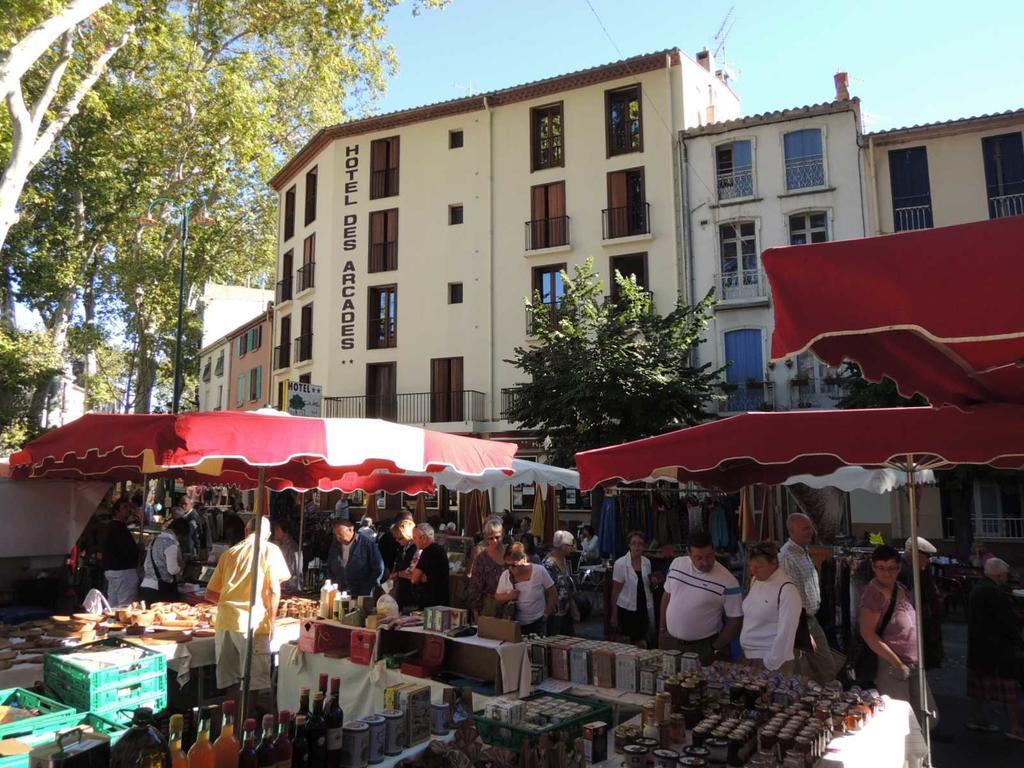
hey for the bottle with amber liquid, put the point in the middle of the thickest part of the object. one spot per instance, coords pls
(247, 755)
(227, 746)
(178, 758)
(201, 755)
(283, 744)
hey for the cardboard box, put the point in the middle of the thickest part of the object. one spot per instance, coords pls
(499, 629)
(579, 664)
(322, 637)
(362, 646)
(595, 742)
(416, 705)
(603, 663)
(627, 672)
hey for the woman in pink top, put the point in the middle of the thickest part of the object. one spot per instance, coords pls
(895, 644)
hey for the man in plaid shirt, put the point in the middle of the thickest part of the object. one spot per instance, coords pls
(794, 559)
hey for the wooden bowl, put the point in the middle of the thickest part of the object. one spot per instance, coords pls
(94, 618)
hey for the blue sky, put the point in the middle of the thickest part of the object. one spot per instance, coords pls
(909, 61)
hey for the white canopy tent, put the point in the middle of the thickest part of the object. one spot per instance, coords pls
(861, 479)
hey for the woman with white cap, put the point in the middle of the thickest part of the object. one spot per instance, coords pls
(563, 620)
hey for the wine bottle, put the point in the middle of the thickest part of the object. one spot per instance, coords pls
(266, 757)
(300, 745)
(316, 733)
(302, 710)
(334, 721)
(247, 756)
(282, 744)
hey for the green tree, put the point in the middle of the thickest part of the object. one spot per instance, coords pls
(26, 360)
(201, 104)
(603, 372)
(858, 392)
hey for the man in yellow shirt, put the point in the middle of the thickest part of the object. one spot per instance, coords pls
(229, 588)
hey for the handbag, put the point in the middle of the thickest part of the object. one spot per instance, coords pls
(862, 663)
(802, 639)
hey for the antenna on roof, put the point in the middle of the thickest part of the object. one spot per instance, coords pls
(466, 87)
(719, 41)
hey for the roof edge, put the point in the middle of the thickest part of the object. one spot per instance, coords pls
(910, 130)
(778, 116)
(634, 65)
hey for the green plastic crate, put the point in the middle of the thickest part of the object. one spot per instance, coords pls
(513, 737)
(123, 711)
(54, 713)
(146, 689)
(98, 723)
(96, 690)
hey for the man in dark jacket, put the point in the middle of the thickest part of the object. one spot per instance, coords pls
(353, 562)
(121, 556)
(993, 635)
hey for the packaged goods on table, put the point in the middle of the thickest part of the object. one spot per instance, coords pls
(518, 723)
(414, 701)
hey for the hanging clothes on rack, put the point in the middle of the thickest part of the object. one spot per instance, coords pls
(609, 534)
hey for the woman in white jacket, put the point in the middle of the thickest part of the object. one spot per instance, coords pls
(771, 611)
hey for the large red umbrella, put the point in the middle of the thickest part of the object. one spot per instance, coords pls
(768, 447)
(233, 447)
(936, 310)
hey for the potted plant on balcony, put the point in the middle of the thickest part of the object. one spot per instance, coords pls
(753, 383)
(729, 386)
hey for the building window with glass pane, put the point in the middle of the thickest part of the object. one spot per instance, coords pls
(546, 139)
(624, 121)
(734, 169)
(805, 159)
(741, 275)
(811, 227)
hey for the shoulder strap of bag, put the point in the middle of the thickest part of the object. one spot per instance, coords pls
(778, 599)
(890, 610)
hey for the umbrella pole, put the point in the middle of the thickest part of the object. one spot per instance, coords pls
(916, 581)
(257, 525)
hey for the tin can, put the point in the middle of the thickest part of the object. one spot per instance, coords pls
(377, 725)
(692, 762)
(662, 707)
(718, 748)
(355, 744)
(440, 719)
(394, 731)
(677, 728)
(636, 756)
(665, 758)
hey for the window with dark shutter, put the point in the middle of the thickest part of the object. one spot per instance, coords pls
(454, 139)
(1004, 174)
(546, 139)
(624, 121)
(382, 330)
(454, 214)
(548, 226)
(911, 189)
(446, 394)
(310, 216)
(289, 213)
(384, 168)
(454, 293)
(381, 400)
(627, 213)
(383, 240)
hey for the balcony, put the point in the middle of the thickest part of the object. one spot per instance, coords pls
(808, 392)
(218, 369)
(736, 183)
(383, 257)
(413, 408)
(306, 274)
(384, 183)
(1001, 206)
(914, 212)
(627, 221)
(751, 395)
(998, 527)
(509, 397)
(533, 323)
(744, 285)
(618, 299)
(206, 372)
(284, 290)
(303, 349)
(547, 233)
(282, 356)
(805, 173)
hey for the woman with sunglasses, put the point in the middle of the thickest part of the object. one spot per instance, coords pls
(771, 612)
(533, 590)
(888, 626)
(488, 566)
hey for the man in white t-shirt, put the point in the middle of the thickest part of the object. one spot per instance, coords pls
(698, 592)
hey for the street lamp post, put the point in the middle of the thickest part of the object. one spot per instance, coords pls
(149, 221)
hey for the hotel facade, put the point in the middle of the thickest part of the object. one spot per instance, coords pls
(411, 242)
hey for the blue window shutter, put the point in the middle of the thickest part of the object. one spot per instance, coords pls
(743, 350)
(259, 383)
(242, 388)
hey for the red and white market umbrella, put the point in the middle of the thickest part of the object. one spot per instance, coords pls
(232, 447)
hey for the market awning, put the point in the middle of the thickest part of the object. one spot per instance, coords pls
(769, 447)
(295, 452)
(936, 310)
(861, 479)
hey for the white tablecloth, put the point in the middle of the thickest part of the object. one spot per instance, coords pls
(892, 739)
(362, 686)
(515, 669)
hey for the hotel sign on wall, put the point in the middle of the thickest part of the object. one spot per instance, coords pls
(350, 229)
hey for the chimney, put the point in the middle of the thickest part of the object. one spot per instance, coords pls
(842, 81)
(706, 60)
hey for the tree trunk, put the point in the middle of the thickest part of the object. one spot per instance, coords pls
(145, 374)
(89, 311)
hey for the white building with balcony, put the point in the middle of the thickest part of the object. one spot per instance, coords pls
(409, 242)
(780, 178)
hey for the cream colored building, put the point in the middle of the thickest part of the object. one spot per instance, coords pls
(775, 179)
(409, 242)
(936, 175)
(951, 172)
